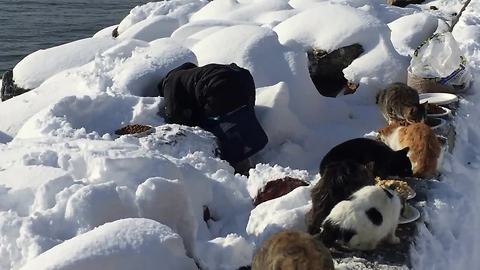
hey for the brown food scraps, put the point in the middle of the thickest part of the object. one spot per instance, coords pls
(132, 129)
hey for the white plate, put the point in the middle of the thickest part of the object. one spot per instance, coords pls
(411, 214)
(447, 112)
(437, 98)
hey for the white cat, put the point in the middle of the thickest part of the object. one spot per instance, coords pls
(370, 215)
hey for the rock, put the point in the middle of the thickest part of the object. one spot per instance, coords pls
(277, 188)
(326, 69)
(115, 32)
(9, 89)
(403, 3)
(7, 85)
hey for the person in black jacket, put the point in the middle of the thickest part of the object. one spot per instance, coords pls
(226, 93)
(193, 94)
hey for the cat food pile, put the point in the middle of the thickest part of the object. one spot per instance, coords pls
(132, 129)
(401, 187)
(435, 109)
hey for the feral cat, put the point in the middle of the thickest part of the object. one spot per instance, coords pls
(292, 250)
(400, 103)
(362, 150)
(369, 216)
(339, 181)
(425, 151)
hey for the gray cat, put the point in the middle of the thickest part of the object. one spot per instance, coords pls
(400, 103)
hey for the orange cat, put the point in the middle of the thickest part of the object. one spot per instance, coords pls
(425, 152)
(292, 250)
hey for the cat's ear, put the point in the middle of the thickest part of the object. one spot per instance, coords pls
(370, 166)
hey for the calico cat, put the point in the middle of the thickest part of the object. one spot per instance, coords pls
(425, 151)
(292, 250)
(362, 150)
(400, 103)
(369, 216)
(339, 181)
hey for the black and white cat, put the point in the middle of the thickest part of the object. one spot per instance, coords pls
(339, 181)
(369, 216)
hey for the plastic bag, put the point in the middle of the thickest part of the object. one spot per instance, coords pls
(239, 134)
(439, 59)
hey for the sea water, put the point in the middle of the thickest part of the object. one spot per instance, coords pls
(30, 25)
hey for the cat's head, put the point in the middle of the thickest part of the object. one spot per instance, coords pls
(304, 254)
(399, 163)
(416, 113)
(348, 172)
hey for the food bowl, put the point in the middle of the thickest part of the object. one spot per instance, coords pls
(408, 214)
(438, 98)
(434, 110)
(135, 130)
(437, 124)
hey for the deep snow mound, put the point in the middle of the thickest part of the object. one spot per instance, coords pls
(124, 244)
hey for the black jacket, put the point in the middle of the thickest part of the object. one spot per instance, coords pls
(193, 93)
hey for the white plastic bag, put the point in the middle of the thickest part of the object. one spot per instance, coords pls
(439, 58)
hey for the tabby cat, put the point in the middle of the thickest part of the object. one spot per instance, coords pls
(400, 103)
(292, 250)
(339, 181)
(425, 151)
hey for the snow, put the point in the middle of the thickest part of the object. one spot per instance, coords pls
(250, 11)
(284, 213)
(179, 10)
(34, 69)
(124, 244)
(73, 195)
(151, 29)
(410, 31)
(312, 29)
(451, 240)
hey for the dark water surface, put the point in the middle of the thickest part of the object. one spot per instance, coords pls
(30, 25)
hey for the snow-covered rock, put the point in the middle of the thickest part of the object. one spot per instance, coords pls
(37, 67)
(410, 31)
(124, 244)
